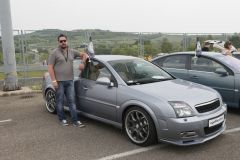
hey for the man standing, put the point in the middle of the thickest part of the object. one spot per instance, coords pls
(60, 67)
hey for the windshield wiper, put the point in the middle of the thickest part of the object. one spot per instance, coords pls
(163, 79)
(133, 82)
(145, 81)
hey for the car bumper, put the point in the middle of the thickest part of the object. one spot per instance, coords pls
(191, 130)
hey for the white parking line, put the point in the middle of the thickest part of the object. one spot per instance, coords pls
(140, 150)
(132, 152)
(7, 120)
(232, 130)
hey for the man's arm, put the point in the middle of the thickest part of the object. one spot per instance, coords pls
(83, 57)
(52, 75)
(51, 72)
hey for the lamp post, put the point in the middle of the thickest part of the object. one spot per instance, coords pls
(11, 80)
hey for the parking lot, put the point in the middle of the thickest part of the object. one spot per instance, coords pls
(29, 132)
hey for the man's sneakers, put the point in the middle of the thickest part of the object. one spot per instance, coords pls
(64, 122)
(75, 124)
(78, 124)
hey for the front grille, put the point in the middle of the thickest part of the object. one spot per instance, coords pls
(209, 130)
(209, 106)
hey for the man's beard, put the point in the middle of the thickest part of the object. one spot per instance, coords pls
(63, 46)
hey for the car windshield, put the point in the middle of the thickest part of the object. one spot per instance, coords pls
(231, 61)
(138, 71)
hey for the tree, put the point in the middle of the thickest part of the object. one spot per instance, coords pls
(166, 46)
(102, 49)
(235, 39)
(1, 58)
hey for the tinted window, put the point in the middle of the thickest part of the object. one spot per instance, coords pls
(204, 64)
(178, 61)
(95, 70)
(230, 61)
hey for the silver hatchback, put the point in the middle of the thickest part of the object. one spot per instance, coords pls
(145, 101)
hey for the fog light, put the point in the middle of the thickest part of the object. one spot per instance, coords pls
(188, 134)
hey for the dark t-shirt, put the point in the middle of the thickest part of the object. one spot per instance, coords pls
(205, 49)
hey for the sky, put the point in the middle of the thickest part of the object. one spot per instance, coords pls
(169, 16)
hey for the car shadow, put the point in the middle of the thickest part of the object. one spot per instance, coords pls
(234, 111)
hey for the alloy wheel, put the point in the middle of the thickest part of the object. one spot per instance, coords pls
(137, 126)
(51, 101)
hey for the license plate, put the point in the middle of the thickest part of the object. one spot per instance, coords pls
(215, 121)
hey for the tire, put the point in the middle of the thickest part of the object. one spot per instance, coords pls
(50, 101)
(139, 127)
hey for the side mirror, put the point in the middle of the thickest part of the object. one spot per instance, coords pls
(105, 81)
(221, 71)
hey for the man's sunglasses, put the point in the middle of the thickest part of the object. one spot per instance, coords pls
(61, 41)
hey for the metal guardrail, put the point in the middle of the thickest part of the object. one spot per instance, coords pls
(28, 68)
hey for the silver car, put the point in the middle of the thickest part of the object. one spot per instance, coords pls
(212, 69)
(148, 103)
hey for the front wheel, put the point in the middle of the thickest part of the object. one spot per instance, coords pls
(139, 127)
(50, 99)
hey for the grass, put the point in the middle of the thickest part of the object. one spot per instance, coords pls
(26, 74)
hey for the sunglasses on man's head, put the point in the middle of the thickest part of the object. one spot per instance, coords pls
(61, 41)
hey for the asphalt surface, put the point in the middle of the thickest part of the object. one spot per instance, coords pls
(29, 132)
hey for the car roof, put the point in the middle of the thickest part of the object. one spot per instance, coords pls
(113, 57)
(209, 54)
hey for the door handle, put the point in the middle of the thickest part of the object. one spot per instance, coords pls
(85, 88)
(194, 77)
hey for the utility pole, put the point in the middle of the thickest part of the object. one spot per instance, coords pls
(11, 80)
(140, 45)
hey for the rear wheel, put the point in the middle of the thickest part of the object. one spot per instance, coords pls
(139, 127)
(50, 103)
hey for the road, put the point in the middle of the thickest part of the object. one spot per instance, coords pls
(29, 132)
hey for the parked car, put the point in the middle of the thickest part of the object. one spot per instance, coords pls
(212, 69)
(145, 101)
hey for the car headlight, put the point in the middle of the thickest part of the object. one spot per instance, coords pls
(181, 109)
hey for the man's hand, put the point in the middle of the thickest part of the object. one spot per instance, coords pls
(55, 84)
(81, 66)
(84, 56)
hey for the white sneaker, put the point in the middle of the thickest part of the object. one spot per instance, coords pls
(78, 124)
(64, 122)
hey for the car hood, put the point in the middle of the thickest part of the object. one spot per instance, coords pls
(178, 90)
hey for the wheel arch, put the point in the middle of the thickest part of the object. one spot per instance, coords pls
(48, 88)
(141, 105)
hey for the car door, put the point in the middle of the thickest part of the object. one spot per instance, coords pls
(95, 98)
(174, 64)
(203, 70)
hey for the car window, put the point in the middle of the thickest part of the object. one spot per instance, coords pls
(232, 62)
(178, 61)
(139, 71)
(204, 64)
(95, 70)
(76, 71)
(236, 56)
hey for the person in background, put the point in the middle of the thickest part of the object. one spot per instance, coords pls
(227, 48)
(206, 47)
(60, 67)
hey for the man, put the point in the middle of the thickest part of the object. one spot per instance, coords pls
(206, 47)
(60, 67)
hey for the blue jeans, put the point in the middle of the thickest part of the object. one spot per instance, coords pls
(66, 88)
